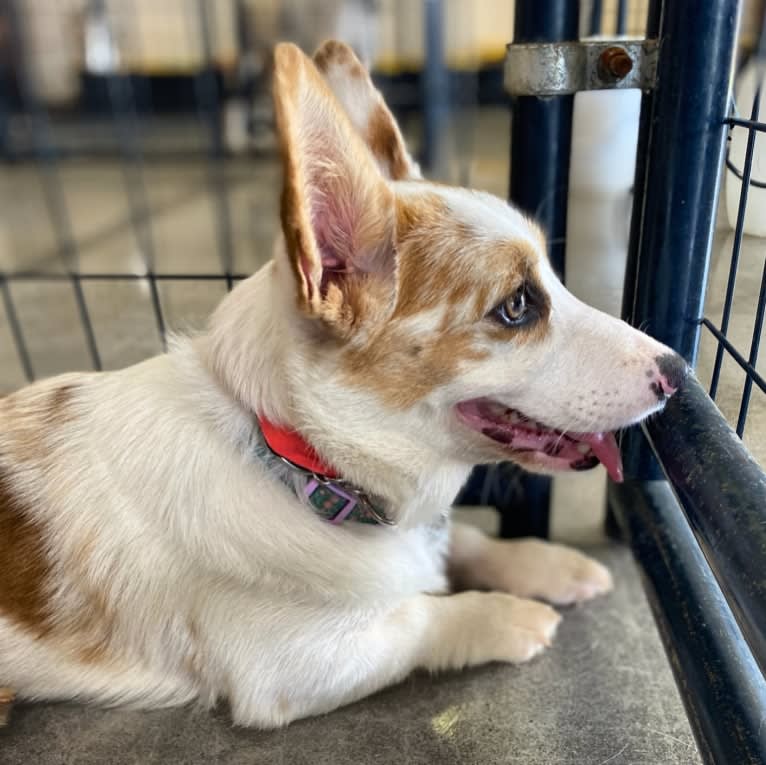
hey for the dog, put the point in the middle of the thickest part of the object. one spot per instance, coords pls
(261, 515)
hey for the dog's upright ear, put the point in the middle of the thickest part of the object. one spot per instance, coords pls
(352, 86)
(338, 211)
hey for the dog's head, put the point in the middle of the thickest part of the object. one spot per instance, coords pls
(432, 309)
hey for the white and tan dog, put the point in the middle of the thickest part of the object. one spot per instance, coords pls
(153, 551)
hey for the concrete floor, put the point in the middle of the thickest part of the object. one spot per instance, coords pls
(603, 694)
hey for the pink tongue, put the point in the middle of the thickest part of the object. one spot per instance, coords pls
(604, 446)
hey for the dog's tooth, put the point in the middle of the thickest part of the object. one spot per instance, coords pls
(583, 448)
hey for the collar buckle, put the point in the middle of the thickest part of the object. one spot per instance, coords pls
(335, 503)
(333, 499)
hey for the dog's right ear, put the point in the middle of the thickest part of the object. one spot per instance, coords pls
(338, 212)
(352, 86)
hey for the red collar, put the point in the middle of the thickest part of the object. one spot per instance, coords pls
(294, 448)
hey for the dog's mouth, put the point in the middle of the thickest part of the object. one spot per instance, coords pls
(549, 448)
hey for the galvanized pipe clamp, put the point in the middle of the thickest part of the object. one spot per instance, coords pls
(562, 68)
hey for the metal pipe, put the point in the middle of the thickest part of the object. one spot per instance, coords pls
(541, 137)
(622, 17)
(674, 214)
(435, 91)
(722, 491)
(541, 130)
(722, 689)
(596, 17)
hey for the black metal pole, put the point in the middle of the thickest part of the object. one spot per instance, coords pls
(722, 491)
(435, 89)
(682, 140)
(721, 686)
(596, 17)
(622, 17)
(654, 14)
(209, 102)
(541, 130)
(541, 137)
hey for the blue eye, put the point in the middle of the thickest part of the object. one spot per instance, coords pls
(513, 311)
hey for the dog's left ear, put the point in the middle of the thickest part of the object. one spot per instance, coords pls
(352, 86)
(338, 211)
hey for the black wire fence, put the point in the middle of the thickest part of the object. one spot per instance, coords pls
(747, 360)
(21, 105)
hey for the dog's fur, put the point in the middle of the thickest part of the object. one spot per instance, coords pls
(148, 559)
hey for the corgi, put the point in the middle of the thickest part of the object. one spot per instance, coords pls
(260, 516)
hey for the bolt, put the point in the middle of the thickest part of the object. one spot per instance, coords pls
(614, 64)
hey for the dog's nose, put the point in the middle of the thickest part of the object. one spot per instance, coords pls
(672, 370)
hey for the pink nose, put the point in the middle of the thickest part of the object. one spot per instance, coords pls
(671, 372)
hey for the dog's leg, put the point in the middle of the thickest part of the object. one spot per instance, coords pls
(529, 568)
(330, 663)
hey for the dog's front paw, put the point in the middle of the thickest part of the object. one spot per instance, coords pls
(577, 578)
(532, 568)
(555, 573)
(515, 630)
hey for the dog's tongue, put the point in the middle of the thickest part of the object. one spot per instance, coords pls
(604, 446)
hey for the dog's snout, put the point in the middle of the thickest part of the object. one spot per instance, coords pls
(672, 370)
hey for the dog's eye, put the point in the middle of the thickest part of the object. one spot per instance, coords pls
(513, 311)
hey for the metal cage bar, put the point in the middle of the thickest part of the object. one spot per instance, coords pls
(683, 136)
(209, 101)
(707, 595)
(541, 135)
(126, 125)
(722, 492)
(738, 234)
(721, 686)
(541, 130)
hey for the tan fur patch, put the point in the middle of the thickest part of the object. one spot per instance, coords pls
(333, 52)
(443, 266)
(444, 262)
(24, 584)
(378, 129)
(33, 414)
(403, 370)
(59, 410)
(93, 629)
(28, 419)
(386, 144)
(95, 623)
(25, 567)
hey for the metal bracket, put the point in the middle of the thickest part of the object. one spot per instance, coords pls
(561, 68)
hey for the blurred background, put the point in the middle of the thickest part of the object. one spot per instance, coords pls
(139, 181)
